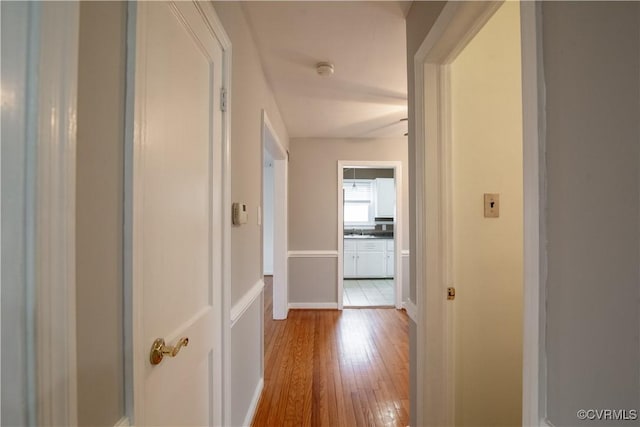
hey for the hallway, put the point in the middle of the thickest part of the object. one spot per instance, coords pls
(332, 368)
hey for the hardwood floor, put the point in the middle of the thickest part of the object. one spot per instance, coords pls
(331, 368)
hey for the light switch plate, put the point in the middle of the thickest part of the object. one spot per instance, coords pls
(491, 205)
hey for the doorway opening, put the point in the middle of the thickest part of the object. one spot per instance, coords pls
(459, 243)
(369, 206)
(369, 265)
(274, 218)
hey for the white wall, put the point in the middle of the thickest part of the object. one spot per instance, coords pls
(99, 213)
(250, 94)
(486, 157)
(267, 214)
(313, 209)
(592, 70)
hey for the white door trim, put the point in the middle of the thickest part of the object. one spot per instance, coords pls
(133, 297)
(273, 145)
(50, 124)
(39, 110)
(456, 26)
(534, 387)
(397, 232)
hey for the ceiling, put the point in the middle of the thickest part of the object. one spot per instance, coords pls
(366, 97)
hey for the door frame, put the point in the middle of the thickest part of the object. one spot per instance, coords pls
(39, 97)
(397, 231)
(272, 144)
(132, 294)
(457, 24)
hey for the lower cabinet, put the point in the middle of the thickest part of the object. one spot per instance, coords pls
(350, 263)
(370, 264)
(368, 258)
(391, 258)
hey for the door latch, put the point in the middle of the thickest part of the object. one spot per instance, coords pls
(451, 293)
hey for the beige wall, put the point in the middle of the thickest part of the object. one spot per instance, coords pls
(487, 252)
(99, 212)
(250, 93)
(313, 207)
(313, 186)
(592, 68)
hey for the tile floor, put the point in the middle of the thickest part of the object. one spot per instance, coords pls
(368, 292)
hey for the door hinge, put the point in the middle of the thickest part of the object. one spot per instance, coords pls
(451, 293)
(223, 99)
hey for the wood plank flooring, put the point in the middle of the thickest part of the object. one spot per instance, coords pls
(331, 368)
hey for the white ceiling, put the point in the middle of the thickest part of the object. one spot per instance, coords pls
(365, 40)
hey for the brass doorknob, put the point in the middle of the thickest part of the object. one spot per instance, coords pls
(159, 349)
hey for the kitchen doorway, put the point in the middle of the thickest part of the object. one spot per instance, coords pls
(370, 268)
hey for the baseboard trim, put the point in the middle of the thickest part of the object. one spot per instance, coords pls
(313, 305)
(246, 301)
(122, 422)
(253, 406)
(313, 254)
(411, 309)
(546, 423)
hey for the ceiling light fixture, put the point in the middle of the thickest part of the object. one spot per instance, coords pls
(324, 69)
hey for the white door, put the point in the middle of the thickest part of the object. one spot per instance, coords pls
(177, 202)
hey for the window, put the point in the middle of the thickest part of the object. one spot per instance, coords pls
(356, 212)
(358, 201)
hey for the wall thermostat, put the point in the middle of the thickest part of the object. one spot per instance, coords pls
(239, 213)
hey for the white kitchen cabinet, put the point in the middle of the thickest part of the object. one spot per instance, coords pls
(390, 258)
(349, 264)
(389, 264)
(371, 245)
(370, 264)
(368, 258)
(385, 197)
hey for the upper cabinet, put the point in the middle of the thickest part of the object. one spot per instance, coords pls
(385, 197)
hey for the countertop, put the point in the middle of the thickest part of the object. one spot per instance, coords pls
(359, 237)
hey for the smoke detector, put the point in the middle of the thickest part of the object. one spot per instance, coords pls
(324, 69)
